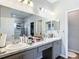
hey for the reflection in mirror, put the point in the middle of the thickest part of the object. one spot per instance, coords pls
(56, 25)
(48, 24)
(53, 25)
(52, 28)
(17, 23)
(12, 22)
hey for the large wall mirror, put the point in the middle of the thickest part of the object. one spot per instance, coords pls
(17, 23)
(52, 27)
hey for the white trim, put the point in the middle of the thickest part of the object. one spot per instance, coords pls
(73, 50)
(63, 56)
(66, 35)
(68, 48)
(73, 9)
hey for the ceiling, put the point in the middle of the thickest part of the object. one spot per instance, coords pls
(48, 4)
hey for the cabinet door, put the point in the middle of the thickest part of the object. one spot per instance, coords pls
(31, 54)
(17, 56)
(56, 49)
(44, 47)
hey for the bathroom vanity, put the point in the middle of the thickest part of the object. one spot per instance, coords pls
(49, 49)
(15, 24)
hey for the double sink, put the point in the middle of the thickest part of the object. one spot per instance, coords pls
(19, 46)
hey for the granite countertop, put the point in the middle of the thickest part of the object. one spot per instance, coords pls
(13, 49)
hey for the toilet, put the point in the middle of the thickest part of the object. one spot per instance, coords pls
(72, 55)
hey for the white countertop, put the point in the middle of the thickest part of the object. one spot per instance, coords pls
(24, 47)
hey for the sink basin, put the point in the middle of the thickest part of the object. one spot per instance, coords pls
(16, 46)
(2, 50)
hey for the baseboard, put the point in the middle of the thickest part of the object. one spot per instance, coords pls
(65, 57)
(73, 50)
(60, 57)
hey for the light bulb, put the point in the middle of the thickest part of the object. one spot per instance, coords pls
(31, 4)
(14, 25)
(20, 0)
(51, 1)
(25, 1)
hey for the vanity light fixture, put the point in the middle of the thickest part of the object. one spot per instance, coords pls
(31, 3)
(41, 9)
(52, 1)
(15, 25)
(20, 0)
(27, 2)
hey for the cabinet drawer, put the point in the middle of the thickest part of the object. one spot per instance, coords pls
(41, 48)
(17, 56)
(30, 51)
(31, 54)
(48, 46)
